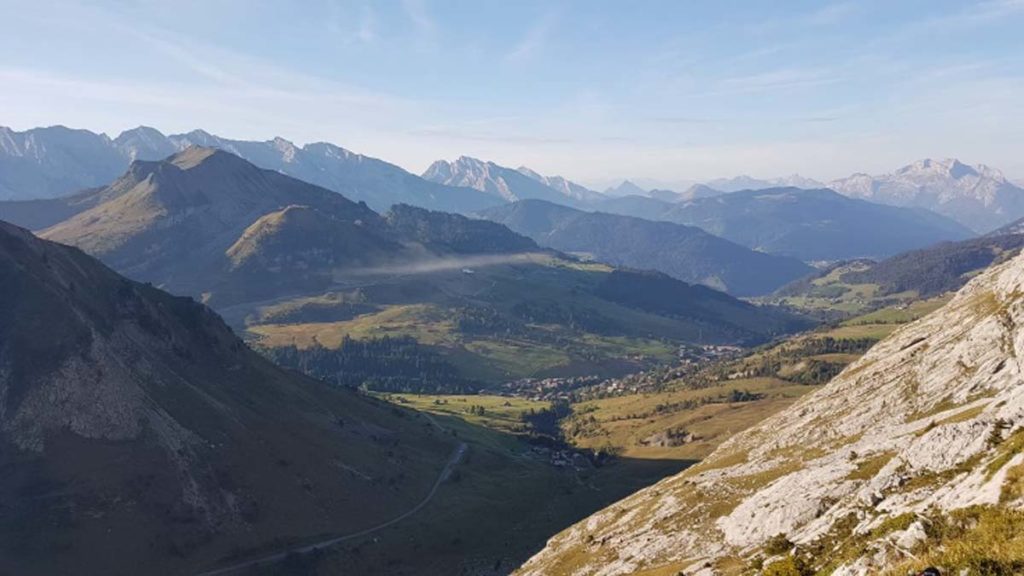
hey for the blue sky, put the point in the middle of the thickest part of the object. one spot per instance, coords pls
(593, 90)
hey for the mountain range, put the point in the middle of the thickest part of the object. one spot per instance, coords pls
(744, 182)
(625, 188)
(506, 183)
(978, 197)
(911, 457)
(43, 163)
(137, 430)
(57, 161)
(805, 224)
(684, 252)
(567, 188)
(252, 243)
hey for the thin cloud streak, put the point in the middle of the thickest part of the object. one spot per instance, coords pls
(532, 43)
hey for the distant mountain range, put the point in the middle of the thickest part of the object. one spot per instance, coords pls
(626, 188)
(685, 252)
(139, 431)
(253, 242)
(806, 224)
(739, 183)
(50, 162)
(56, 161)
(815, 224)
(508, 184)
(567, 188)
(978, 197)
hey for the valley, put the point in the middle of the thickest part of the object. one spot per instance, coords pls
(511, 373)
(428, 288)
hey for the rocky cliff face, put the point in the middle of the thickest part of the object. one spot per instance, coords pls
(929, 422)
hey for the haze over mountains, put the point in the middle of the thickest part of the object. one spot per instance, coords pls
(56, 161)
(506, 183)
(979, 197)
(749, 183)
(805, 224)
(684, 252)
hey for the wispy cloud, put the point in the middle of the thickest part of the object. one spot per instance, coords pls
(682, 120)
(426, 27)
(831, 14)
(828, 15)
(343, 22)
(532, 43)
(780, 79)
(367, 25)
(973, 15)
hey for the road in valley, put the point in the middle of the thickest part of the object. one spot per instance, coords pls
(453, 461)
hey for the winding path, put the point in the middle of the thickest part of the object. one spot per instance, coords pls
(453, 460)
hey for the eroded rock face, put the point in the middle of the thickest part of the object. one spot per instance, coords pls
(912, 426)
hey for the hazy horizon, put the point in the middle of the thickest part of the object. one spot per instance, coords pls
(594, 92)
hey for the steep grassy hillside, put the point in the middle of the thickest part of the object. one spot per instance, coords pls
(137, 430)
(535, 316)
(855, 287)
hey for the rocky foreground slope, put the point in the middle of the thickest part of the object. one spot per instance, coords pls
(912, 455)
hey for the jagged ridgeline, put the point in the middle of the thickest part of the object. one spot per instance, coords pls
(912, 456)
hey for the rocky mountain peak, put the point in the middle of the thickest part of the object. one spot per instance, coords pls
(977, 196)
(626, 188)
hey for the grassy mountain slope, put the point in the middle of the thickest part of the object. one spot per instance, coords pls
(684, 252)
(171, 222)
(299, 265)
(937, 269)
(854, 287)
(136, 429)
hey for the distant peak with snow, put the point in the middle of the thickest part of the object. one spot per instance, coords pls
(977, 196)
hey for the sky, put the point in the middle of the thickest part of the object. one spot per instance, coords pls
(664, 92)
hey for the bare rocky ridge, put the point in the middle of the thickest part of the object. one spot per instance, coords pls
(49, 163)
(979, 197)
(505, 183)
(930, 419)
